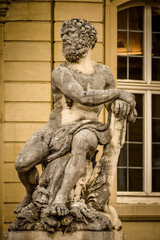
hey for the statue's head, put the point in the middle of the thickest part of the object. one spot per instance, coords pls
(78, 36)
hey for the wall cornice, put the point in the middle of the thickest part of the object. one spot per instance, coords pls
(4, 6)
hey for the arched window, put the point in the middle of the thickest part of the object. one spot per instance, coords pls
(138, 71)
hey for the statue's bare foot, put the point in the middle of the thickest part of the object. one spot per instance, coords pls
(59, 209)
(27, 200)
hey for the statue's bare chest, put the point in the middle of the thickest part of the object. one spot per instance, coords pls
(90, 81)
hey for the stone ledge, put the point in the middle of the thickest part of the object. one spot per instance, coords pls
(81, 235)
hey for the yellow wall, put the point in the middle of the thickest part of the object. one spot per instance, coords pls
(25, 90)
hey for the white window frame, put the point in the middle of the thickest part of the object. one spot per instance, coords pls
(147, 87)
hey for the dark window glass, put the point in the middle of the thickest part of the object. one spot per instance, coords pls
(123, 156)
(135, 180)
(122, 43)
(156, 180)
(156, 130)
(122, 179)
(122, 19)
(156, 105)
(156, 44)
(156, 155)
(136, 131)
(131, 156)
(122, 67)
(155, 143)
(135, 155)
(136, 18)
(130, 43)
(139, 105)
(156, 19)
(155, 69)
(135, 68)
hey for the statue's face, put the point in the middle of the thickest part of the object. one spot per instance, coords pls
(75, 45)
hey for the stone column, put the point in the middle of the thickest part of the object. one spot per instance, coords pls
(4, 5)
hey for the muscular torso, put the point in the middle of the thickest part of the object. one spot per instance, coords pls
(68, 110)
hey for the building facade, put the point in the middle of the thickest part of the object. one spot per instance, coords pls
(129, 43)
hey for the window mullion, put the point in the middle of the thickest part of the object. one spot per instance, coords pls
(148, 144)
(147, 44)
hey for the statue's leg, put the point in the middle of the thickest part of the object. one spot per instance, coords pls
(33, 152)
(84, 142)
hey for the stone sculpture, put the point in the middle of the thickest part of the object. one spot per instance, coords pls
(74, 189)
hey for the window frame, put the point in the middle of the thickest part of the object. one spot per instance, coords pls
(147, 87)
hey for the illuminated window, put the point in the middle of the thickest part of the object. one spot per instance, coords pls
(138, 71)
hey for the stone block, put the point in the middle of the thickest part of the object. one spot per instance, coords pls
(40, 31)
(26, 112)
(35, 112)
(57, 30)
(33, 92)
(88, 235)
(27, 71)
(10, 174)
(9, 216)
(66, 10)
(17, 11)
(29, 11)
(19, 132)
(14, 192)
(39, 11)
(11, 151)
(26, 51)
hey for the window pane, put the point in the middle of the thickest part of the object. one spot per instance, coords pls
(156, 44)
(136, 131)
(135, 68)
(130, 43)
(122, 19)
(155, 69)
(136, 18)
(122, 67)
(156, 130)
(156, 180)
(135, 155)
(155, 143)
(135, 180)
(156, 155)
(139, 104)
(135, 43)
(122, 179)
(155, 19)
(122, 43)
(123, 156)
(156, 105)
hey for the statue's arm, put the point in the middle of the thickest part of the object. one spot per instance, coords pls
(65, 82)
(121, 108)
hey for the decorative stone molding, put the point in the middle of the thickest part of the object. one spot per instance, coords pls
(4, 6)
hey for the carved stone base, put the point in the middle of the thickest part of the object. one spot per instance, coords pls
(81, 235)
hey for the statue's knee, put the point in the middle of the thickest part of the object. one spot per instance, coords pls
(21, 165)
(85, 139)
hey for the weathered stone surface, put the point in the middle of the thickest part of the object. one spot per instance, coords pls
(73, 191)
(33, 235)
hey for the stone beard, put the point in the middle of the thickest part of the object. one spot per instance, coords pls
(78, 36)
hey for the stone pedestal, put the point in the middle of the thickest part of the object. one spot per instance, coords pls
(81, 235)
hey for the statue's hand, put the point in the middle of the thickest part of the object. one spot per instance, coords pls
(132, 116)
(121, 109)
(127, 97)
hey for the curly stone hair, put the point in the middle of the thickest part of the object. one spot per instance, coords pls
(78, 35)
